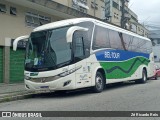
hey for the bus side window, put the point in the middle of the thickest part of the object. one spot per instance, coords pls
(100, 39)
(78, 44)
(115, 40)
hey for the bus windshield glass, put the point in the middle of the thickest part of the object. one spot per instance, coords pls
(47, 50)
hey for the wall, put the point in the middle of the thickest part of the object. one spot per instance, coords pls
(15, 26)
(64, 2)
(116, 17)
(96, 12)
(141, 30)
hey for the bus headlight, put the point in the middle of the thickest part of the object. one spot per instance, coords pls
(27, 77)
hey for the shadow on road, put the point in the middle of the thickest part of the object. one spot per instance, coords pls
(86, 91)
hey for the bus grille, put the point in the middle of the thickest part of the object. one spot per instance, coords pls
(44, 80)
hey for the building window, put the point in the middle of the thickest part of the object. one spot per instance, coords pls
(80, 5)
(115, 5)
(94, 5)
(3, 8)
(79, 47)
(13, 11)
(36, 20)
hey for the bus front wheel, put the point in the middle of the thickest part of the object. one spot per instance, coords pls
(99, 83)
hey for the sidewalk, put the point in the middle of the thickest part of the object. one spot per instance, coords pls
(10, 92)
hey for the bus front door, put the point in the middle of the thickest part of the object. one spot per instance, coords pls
(83, 72)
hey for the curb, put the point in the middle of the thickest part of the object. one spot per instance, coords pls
(15, 97)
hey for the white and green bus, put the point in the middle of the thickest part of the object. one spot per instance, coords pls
(84, 52)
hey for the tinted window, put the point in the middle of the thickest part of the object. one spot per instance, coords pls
(78, 44)
(79, 48)
(134, 46)
(105, 38)
(127, 40)
(59, 45)
(115, 39)
(137, 44)
(87, 36)
(100, 39)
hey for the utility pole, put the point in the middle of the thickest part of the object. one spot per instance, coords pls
(123, 11)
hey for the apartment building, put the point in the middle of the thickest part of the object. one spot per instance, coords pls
(20, 17)
(154, 35)
(114, 13)
(94, 8)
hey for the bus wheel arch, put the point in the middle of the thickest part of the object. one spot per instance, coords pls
(100, 80)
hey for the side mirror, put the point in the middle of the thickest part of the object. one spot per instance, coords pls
(71, 30)
(17, 40)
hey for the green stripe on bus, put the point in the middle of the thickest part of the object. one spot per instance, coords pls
(124, 69)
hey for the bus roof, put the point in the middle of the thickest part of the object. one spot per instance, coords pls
(73, 21)
(62, 23)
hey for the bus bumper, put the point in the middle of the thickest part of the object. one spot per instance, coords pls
(64, 83)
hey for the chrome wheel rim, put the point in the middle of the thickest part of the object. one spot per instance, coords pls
(99, 82)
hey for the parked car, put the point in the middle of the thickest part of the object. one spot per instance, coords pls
(157, 72)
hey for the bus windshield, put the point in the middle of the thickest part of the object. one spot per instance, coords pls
(47, 50)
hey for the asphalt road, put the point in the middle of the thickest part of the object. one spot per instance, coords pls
(124, 97)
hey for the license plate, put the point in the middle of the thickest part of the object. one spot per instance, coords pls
(44, 87)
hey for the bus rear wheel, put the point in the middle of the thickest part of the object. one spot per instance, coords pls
(99, 83)
(144, 77)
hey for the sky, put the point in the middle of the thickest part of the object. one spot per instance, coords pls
(148, 11)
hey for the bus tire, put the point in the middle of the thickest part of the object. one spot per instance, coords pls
(99, 83)
(144, 77)
(155, 77)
